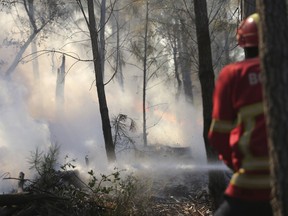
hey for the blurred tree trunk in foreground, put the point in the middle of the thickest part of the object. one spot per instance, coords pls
(274, 63)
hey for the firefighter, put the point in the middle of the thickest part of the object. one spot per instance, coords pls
(238, 131)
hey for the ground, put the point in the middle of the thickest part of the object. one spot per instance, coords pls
(178, 192)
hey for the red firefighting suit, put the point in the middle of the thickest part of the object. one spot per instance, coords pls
(238, 130)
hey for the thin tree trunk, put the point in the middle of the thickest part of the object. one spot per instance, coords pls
(106, 127)
(33, 44)
(145, 74)
(274, 65)
(60, 84)
(23, 48)
(173, 38)
(117, 55)
(177, 56)
(102, 35)
(19, 55)
(226, 45)
(176, 68)
(185, 64)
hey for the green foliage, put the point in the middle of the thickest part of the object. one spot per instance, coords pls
(97, 185)
(44, 163)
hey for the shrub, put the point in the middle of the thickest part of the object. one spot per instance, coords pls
(113, 194)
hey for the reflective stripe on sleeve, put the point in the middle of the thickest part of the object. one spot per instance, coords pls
(250, 112)
(221, 126)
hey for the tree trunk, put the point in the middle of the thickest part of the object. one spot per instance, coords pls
(117, 54)
(102, 35)
(145, 74)
(274, 64)
(106, 127)
(60, 84)
(206, 77)
(34, 33)
(19, 55)
(176, 45)
(176, 69)
(186, 63)
(33, 44)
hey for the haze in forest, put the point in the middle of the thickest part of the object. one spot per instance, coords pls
(30, 117)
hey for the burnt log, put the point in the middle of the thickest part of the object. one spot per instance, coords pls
(24, 198)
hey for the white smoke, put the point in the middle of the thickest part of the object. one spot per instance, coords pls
(29, 118)
(19, 132)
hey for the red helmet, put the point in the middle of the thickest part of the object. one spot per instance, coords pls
(247, 33)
